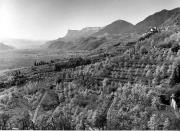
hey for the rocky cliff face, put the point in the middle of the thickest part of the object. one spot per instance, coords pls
(77, 34)
(72, 38)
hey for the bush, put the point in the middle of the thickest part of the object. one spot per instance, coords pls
(143, 50)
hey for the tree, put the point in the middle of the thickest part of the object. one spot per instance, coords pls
(175, 75)
(149, 75)
(4, 118)
(171, 58)
(175, 47)
(157, 72)
(163, 70)
(152, 124)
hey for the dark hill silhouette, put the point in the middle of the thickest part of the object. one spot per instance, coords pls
(117, 27)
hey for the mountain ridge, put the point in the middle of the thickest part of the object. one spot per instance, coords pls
(116, 29)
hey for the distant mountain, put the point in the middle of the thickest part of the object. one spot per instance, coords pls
(93, 37)
(23, 43)
(58, 44)
(73, 35)
(117, 27)
(72, 38)
(157, 19)
(5, 47)
(91, 43)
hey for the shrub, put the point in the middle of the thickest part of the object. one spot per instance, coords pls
(143, 50)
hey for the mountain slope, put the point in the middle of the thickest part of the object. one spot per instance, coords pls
(91, 43)
(58, 44)
(117, 27)
(172, 21)
(155, 20)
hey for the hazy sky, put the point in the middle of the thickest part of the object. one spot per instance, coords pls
(50, 19)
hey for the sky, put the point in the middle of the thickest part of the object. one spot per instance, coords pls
(50, 19)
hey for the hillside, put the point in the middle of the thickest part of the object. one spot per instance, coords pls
(59, 44)
(156, 20)
(91, 43)
(173, 21)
